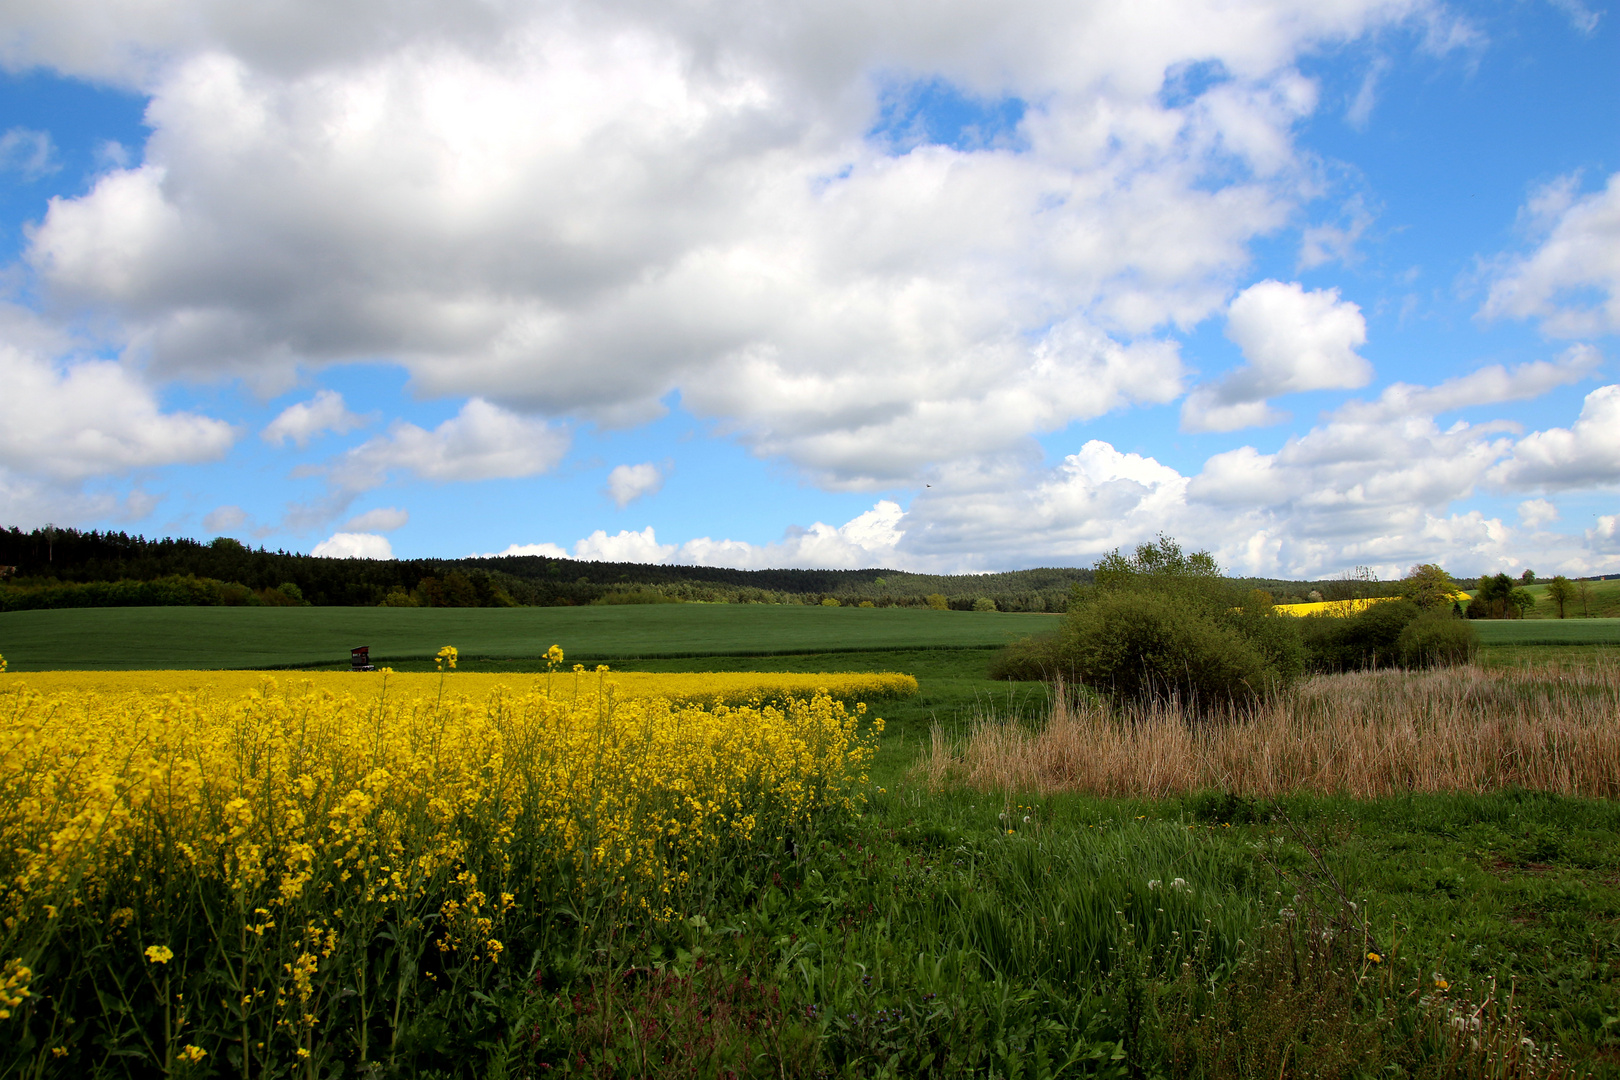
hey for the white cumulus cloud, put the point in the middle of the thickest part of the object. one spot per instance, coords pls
(572, 211)
(1571, 281)
(66, 419)
(348, 545)
(1585, 454)
(303, 421)
(1537, 512)
(1292, 340)
(481, 442)
(627, 483)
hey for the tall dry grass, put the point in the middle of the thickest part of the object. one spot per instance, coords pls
(1363, 734)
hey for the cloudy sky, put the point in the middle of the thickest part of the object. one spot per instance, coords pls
(957, 285)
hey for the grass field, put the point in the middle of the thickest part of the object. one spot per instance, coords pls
(1494, 633)
(202, 637)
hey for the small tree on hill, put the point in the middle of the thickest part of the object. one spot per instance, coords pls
(1560, 591)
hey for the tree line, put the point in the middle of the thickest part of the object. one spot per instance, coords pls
(64, 567)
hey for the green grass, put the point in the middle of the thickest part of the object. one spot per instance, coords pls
(1494, 633)
(200, 637)
(1602, 601)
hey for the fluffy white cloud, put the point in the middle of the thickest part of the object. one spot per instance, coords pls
(1605, 535)
(1293, 341)
(578, 210)
(381, 520)
(481, 442)
(624, 546)
(1537, 512)
(627, 483)
(1582, 455)
(303, 421)
(550, 551)
(1578, 255)
(348, 545)
(66, 420)
(866, 540)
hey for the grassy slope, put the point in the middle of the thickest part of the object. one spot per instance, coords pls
(1602, 601)
(1516, 632)
(134, 638)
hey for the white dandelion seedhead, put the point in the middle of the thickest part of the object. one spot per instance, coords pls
(1154, 883)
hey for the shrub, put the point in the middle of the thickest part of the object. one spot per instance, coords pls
(984, 603)
(1033, 659)
(1368, 639)
(937, 602)
(830, 601)
(1437, 639)
(1164, 625)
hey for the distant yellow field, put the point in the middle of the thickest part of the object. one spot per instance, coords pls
(699, 688)
(1346, 607)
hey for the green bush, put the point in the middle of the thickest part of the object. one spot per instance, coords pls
(1162, 625)
(1437, 639)
(984, 603)
(1367, 639)
(1033, 659)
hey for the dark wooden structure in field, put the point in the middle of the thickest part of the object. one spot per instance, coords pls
(360, 659)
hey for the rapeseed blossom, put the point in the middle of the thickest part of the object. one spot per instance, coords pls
(286, 822)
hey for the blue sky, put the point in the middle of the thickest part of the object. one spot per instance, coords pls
(970, 287)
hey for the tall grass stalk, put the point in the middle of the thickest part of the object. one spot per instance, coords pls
(1366, 734)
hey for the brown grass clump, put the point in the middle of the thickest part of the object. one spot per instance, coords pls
(1364, 734)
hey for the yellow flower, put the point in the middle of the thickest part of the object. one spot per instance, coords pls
(446, 654)
(192, 1054)
(159, 954)
(1375, 958)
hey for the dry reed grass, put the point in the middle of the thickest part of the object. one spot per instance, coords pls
(1364, 734)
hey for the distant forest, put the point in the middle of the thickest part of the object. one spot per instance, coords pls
(59, 567)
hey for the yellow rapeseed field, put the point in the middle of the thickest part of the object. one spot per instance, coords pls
(706, 688)
(308, 844)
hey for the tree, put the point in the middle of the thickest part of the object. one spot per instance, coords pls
(1561, 591)
(1519, 601)
(1528, 577)
(1491, 599)
(1428, 586)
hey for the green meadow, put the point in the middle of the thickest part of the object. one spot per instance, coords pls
(269, 637)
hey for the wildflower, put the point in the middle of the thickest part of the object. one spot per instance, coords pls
(1154, 883)
(159, 954)
(445, 655)
(1375, 958)
(1179, 883)
(1440, 982)
(192, 1054)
